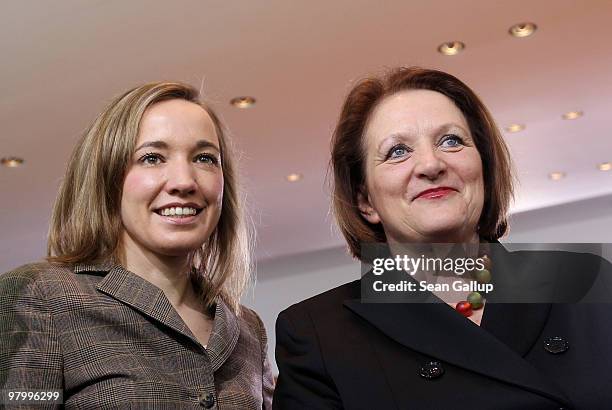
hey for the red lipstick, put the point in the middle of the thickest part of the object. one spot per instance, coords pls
(435, 193)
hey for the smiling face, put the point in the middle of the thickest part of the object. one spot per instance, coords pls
(424, 180)
(173, 188)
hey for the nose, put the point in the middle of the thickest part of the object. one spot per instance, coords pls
(429, 164)
(180, 178)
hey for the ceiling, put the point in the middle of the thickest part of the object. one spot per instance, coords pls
(63, 61)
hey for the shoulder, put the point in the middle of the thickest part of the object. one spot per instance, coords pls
(29, 297)
(560, 256)
(251, 319)
(36, 271)
(326, 304)
(574, 275)
(251, 326)
(252, 334)
(48, 281)
(311, 336)
(561, 262)
(34, 276)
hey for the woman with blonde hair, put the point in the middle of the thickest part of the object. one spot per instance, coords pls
(148, 255)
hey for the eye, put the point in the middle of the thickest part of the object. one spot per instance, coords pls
(206, 159)
(451, 141)
(397, 151)
(151, 158)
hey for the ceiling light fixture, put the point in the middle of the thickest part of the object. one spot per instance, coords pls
(555, 176)
(572, 115)
(451, 48)
(522, 29)
(243, 102)
(605, 166)
(515, 127)
(294, 177)
(12, 162)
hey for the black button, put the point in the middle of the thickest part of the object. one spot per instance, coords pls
(556, 345)
(207, 401)
(432, 370)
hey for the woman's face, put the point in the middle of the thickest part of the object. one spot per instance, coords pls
(173, 189)
(424, 178)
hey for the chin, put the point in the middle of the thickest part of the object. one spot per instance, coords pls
(445, 231)
(181, 242)
(177, 249)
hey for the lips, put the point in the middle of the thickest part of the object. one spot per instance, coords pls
(179, 220)
(435, 193)
(195, 206)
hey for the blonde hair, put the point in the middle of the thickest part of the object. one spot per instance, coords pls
(86, 225)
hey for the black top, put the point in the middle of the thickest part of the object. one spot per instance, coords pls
(335, 352)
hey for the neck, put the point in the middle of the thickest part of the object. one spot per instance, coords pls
(439, 247)
(168, 273)
(471, 238)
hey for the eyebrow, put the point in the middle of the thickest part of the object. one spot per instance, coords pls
(200, 144)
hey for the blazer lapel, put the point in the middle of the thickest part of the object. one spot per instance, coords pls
(436, 330)
(134, 291)
(147, 298)
(518, 325)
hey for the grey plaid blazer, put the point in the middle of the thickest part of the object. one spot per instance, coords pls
(110, 339)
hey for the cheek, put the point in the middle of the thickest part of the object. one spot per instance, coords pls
(138, 186)
(471, 170)
(473, 177)
(387, 185)
(213, 189)
(391, 181)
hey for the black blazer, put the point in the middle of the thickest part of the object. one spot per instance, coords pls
(335, 352)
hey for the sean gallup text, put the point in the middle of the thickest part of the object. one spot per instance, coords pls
(424, 286)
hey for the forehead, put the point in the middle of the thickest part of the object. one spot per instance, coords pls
(413, 111)
(177, 121)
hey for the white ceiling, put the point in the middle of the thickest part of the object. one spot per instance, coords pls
(62, 61)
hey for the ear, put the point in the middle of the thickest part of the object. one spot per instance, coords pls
(366, 209)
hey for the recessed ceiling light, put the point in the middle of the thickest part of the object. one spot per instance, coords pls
(522, 29)
(294, 177)
(515, 127)
(451, 48)
(555, 176)
(243, 102)
(572, 115)
(605, 166)
(12, 162)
